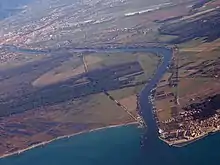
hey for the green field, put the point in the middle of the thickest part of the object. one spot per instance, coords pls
(147, 61)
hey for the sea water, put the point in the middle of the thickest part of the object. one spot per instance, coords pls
(127, 145)
(119, 146)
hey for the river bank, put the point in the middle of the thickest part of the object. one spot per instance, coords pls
(168, 134)
(90, 149)
(144, 104)
(119, 145)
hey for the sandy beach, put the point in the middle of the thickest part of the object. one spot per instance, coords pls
(63, 137)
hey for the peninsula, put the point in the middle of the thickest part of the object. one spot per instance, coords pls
(186, 100)
(54, 85)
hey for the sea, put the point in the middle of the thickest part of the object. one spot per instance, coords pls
(124, 145)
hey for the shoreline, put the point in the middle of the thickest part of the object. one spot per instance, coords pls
(64, 137)
(86, 131)
(182, 142)
(185, 142)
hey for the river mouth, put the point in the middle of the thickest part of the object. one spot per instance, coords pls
(89, 148)
(145, 104)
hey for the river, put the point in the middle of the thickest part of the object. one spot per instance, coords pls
(145, 105)
(166, 53)
(121, 145)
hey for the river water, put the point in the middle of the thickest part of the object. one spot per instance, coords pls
(122, 145)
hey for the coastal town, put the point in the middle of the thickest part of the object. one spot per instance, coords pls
(78, 68)
(184, 114)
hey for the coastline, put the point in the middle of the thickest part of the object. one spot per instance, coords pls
(91, 130)
(189, 140)
(182, 142)
(185, 142)
(63, 137)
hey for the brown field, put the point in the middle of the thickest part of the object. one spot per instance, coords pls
(201, 47)
(45, 100)
(92, 60)
(194, 88)
(198, 66)
(130, 102)
(61, 119)
(68, 111)
(163, 109)
(66, 70)
(53, 77)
